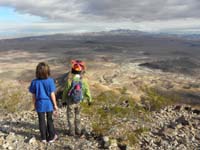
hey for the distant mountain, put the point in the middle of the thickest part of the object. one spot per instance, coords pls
(127, 31)
(118, 32)
(190, 36)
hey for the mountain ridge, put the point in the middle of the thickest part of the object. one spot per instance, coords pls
(128, 32)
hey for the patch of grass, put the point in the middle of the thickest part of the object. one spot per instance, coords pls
(102, 126)
(109, 109)
(141, 130)
(131, 137)
(12, 101)
(119, 111)
(107, 97)
(102, 122)
(13, 97)
(87, 109)
(123, 90)
(154, 100)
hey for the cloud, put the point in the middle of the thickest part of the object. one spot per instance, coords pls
(143, 10)
(107, 10)
(49, 9)
(97, 15)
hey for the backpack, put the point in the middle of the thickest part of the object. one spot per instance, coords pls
(75, 91)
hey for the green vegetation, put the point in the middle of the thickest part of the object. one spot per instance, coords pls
(13, 97)
(132, 137)
(154, 100)
(112, 111)
(123, 90)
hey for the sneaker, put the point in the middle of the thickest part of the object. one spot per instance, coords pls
(44, 141)
(53, 140)
(78, 132)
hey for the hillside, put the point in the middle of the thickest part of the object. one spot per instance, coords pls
(145, 90)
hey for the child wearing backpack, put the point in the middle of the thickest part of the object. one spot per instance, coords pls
(42, 89)
(75, 92)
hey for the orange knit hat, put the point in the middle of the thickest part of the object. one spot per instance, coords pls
(77, 66)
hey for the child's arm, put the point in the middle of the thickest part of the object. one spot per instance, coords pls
(87, 92)
(34, 100)
(53, 97)
(65, 91)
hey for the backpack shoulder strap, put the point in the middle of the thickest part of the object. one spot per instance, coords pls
(73, 84)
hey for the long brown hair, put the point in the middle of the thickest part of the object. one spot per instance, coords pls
(42, 70)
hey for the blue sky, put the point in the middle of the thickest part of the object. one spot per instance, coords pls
(36, 17)
(13, 24)
(8, 14)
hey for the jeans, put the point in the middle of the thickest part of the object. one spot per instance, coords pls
(47, 130)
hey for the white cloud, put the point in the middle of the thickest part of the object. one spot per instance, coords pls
(106, 10)
(50, 9)
(97, 15)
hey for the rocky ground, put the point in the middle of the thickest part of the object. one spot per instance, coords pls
(20, 131)
(175, 127)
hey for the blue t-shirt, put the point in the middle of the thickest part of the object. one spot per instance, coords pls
(42, 88)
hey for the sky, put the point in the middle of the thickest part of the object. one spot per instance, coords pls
(37, 17)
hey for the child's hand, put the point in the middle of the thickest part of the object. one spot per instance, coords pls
(34, 107)
(89, 103)
(55, 107)
(55, 113)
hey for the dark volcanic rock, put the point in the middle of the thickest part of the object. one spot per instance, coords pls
(182, 65)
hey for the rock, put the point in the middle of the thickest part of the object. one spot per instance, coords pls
(197, 136)
(179, 126)
(113, 145)
(5, 129)
(1, 140)
(69, 147)
(173, 133)
(177, 107)
(182, 147)
(5, 145)
(105, 142)
(169, 128)
(10, 148)
(188, 108)
(197, 111)
(145, 102)
(32, 141)
(182, 121)
(172, 125)
(11, 137)
(124, 119)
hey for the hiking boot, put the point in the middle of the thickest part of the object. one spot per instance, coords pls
(53, 140)
(71, 134)
(44, 141)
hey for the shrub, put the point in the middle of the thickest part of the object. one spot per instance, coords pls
(133, 136)
(154, 100)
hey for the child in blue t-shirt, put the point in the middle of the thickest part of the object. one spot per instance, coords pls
(44, 100)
